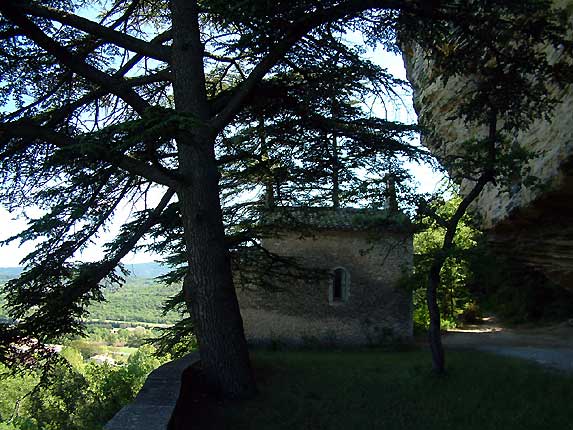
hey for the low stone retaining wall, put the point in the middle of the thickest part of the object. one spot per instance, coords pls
(153, 406)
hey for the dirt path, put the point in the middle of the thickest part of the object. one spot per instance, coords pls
(550, 346)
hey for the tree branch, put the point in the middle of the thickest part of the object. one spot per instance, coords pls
(297, 31)
(61, 113)
(148, 49)
(28, 130)
(484, 179)
(93, 273)
(107, 265)
(426, 210)
(112, 84)
(58, 114)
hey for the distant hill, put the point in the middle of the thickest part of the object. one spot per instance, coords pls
(7, 273)
(142, 271)
(146, 270)
(141, 299)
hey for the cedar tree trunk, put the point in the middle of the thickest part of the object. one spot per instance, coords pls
(209, 284)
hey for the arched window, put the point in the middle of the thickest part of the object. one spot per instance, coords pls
(338, 291)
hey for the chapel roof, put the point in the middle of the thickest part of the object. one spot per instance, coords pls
(335, 219)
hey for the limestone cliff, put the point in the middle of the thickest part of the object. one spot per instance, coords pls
(535, 225)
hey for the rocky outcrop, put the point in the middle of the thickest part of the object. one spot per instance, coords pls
(532, 224)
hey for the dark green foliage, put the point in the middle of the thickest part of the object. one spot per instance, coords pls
(77, 191)
(454, 296)
(503, 44)
(72, 395)
(511, 57)
(176, 341)
(476, 278)
(308, 138)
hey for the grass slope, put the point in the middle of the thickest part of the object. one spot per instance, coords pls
(395, 390)
(138, 300)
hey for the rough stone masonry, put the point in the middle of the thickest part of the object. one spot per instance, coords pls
(367, 250)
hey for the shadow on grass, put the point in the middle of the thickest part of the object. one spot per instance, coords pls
(380, 389)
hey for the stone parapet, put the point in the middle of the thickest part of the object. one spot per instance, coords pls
(154, 405)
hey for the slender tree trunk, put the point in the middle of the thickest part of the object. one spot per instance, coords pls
(488, 175)
(268, 178)
(269, 194)
(334, 111)
(209, 284)
(391, 198)
(335, 174)
(434, 333)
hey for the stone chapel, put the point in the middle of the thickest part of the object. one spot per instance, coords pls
(355, 259)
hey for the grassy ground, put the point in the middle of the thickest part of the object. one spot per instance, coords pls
(395, 390)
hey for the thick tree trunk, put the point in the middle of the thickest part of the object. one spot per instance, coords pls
(209, 283)
(434, 333)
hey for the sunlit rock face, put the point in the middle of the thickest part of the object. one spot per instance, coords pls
(533, 225)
